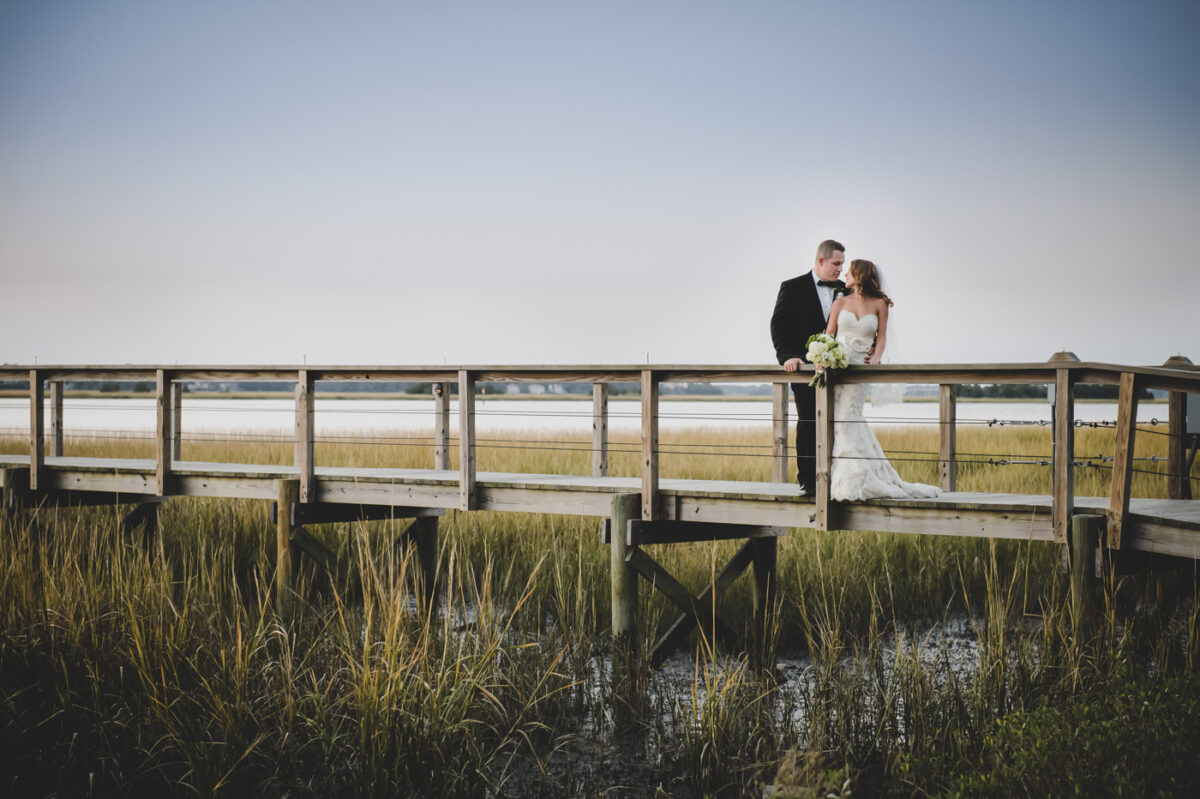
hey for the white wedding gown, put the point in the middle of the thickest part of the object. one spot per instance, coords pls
(860, 469)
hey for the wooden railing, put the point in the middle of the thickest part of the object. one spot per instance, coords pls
(1178, 377)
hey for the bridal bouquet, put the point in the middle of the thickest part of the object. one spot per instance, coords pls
(824, 350)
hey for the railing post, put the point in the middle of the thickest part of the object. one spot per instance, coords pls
(176, 420)
(1063, 474)
(441, 426)
(947, 437)
(162, 437)
(824, 450)
(1177, 478)
(305, 458)
(779, 432)
(1122, 476)
(650, 501)
(37, 430)
(467, 496)
(600, 429)
(56, 418)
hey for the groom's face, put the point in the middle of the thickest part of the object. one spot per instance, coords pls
(830, 268)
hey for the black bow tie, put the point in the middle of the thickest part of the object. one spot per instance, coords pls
(833, 284)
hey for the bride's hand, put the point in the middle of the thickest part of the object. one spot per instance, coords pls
(874, 357)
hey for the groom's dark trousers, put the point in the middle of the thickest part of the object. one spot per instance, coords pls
(798, 315)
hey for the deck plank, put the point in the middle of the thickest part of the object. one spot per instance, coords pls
(1170, 525)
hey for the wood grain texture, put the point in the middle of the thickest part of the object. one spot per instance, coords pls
(1063, 479)
(467, 496)
(824, 416)
(599, 429)
(779, 432)
(947, 437)
(306, 434)
(56, 418)
(650, 498)
(37, 429)
(1122, 475)
(441, 425)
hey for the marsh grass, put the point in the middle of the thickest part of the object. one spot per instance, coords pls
(128, 668)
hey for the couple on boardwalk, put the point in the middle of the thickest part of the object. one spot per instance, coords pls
(849, 304)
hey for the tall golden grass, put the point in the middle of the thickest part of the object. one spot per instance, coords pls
(135, 668)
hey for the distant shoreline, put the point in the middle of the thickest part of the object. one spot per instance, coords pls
(247, 395)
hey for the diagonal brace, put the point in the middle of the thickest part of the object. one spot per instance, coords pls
(694, 611)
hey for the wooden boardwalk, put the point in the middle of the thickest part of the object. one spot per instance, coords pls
(1165, 526)
(647, 508)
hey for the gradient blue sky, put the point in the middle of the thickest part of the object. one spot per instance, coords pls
(571, 182)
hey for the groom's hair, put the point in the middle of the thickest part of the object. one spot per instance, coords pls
(827, 248)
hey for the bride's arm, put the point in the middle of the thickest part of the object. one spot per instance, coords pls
(880, 337)
(831, 328)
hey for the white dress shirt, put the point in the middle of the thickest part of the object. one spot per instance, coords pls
(824, 294)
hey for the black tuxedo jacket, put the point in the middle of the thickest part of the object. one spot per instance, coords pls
(797, 316)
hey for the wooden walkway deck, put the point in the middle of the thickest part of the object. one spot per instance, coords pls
(1165, 526)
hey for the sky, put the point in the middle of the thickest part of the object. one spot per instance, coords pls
(411, 183)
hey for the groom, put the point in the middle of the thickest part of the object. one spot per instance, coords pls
(802, 309)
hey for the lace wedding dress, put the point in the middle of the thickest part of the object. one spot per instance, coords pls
(860, 469)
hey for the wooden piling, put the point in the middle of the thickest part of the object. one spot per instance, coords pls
(622, 576)
(947, 437)
(289, 496)
(1085, 541)
(425, 534)
(765, 553)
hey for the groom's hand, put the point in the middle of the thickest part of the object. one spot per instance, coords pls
(792, 364)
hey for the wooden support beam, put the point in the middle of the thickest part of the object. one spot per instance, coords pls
(1063, 484)
(37, 429)
(600, 429)
(764, 553)
(303, 541)
(642, 533)
(163, 442)
(702, 615)
(305, 457)
(947, 437)
(425, 532)
(176, 420)
(56, 418)
(16, 487)
(779, 432)
(650, 493)
(1084, 543)
(289, 495)
(468, 498)
(337, 512)
(1122, 475)
(674, 637)
(441, 426)
(824, 418)
(1177, 467)
(622, 578)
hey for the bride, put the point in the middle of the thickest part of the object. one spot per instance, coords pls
(859, 320)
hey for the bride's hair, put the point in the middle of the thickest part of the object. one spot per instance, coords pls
(867, 278)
